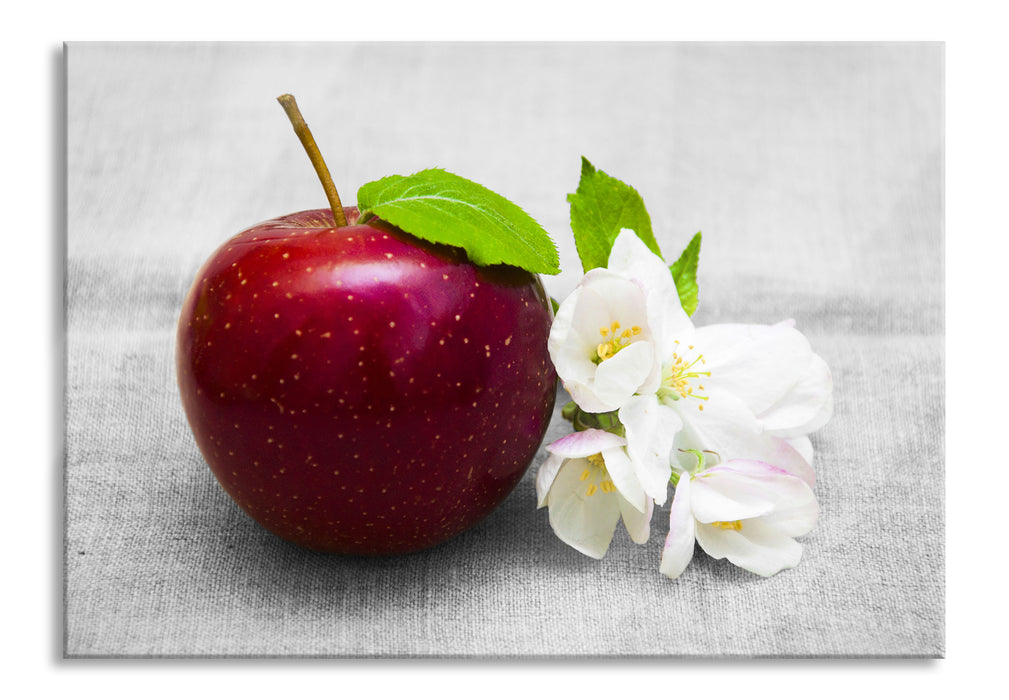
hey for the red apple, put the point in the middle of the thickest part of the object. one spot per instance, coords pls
(358, 390)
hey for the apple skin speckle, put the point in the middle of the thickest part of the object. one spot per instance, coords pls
(383, 434)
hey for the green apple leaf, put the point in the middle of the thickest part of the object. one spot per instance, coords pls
(444, 208)
(685, 274)
(600, 208)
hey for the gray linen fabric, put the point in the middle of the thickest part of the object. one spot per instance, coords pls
(815, 172)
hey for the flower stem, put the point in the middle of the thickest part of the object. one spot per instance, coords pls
(308, 141)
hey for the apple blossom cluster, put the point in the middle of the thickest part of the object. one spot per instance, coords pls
(722, 413)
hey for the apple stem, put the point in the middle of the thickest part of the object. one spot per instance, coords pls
(308, 141)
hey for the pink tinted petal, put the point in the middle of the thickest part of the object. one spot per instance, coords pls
(651, 428)
(729, 429)
(584, 443)
(584, 522)
(679, 546)
(727, 495)
(782, 454)
(759, 364)
(756, 547)
(749, 467)
(779, 453)
(741, 489)
(806, 407)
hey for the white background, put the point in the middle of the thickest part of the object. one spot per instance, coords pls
(975, 229)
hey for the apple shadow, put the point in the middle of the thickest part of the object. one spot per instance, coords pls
(263, 571)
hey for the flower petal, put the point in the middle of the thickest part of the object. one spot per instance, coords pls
(574, 446)
(725, 425)
(757, 363)
(590, 317)
(570, 353)
(631, 257)
(756, 547)
(650, 427)
(783, 455)
(726, 495)
(607, 297)
(679, 547)
(804, 446)
(621, 471)
(585, 442)
(741, 489)
(545, 478)
(619, 377)
(581, 521)
(728, 428)
(779, 453)
(564, 343)
(636, 522)
(797, 517)
(806, 407)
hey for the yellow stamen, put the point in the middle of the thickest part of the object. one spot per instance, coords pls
(597, 476)
(679, 375)
(615, 342)
(728, 524)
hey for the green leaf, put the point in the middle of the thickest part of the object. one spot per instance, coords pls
(685, 274)
(600, 208)
(444, 208)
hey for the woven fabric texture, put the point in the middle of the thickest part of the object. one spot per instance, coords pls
(815, 172)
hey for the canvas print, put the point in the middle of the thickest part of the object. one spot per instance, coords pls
(496, 350)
